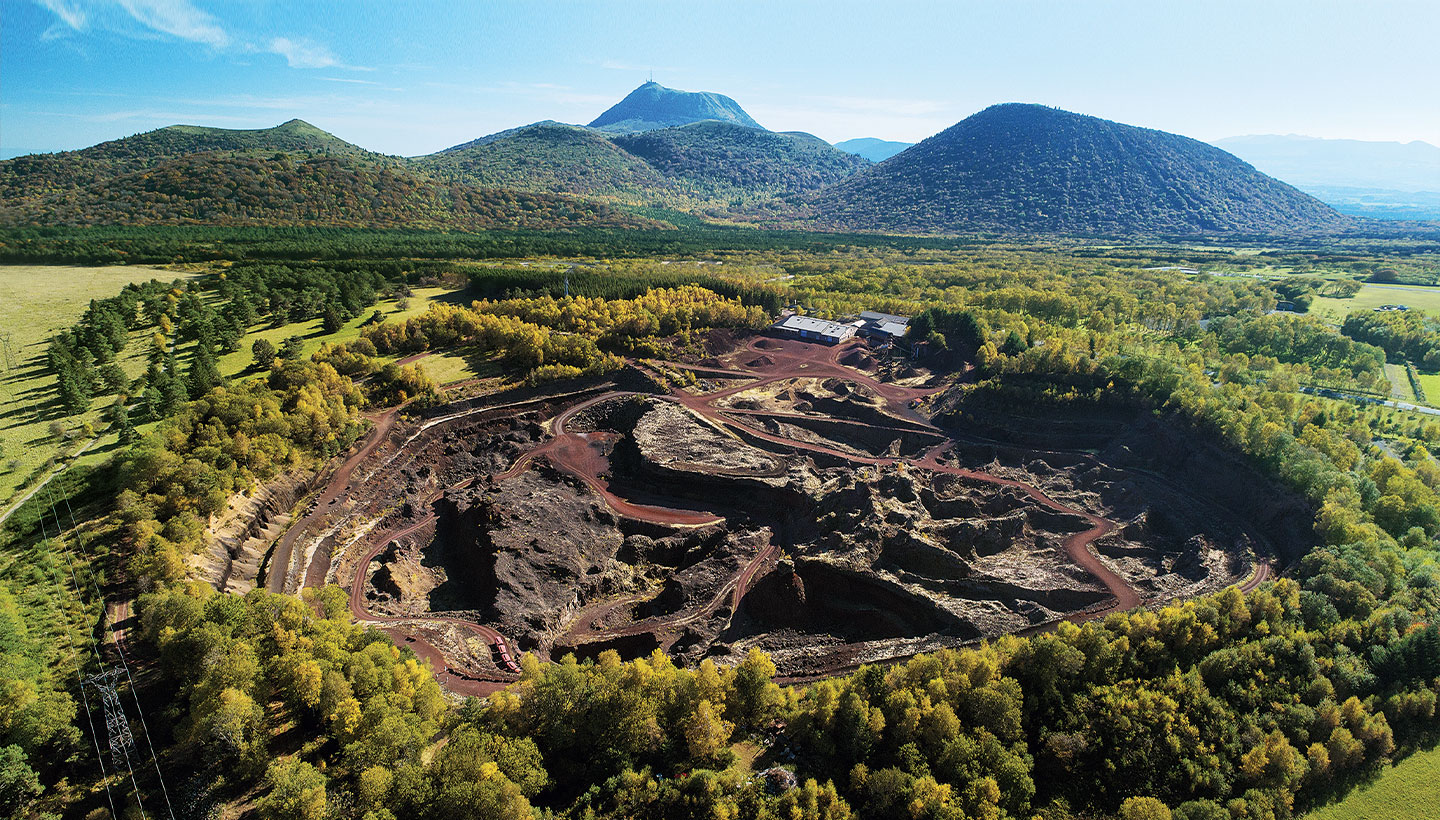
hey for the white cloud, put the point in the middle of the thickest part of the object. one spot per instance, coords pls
(304, 53)
(70, 13)
(176, 18)
(179, 19)
(182, 20)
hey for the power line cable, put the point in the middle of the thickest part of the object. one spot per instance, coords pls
(115, 722)
(120, 652)
(79, 678)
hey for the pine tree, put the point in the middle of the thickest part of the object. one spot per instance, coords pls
(203, 374)
(114, 379)
(75, 393)
(121, 423)
(264, 352)
(332, 319)
(291, 347)
(173, 396)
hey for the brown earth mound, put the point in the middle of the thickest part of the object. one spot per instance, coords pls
(859, 359)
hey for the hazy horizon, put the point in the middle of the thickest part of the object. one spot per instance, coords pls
(415, 80)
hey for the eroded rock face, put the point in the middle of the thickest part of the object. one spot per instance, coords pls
(828, 555)
(670, 437)
(536, 546)
(866, 536)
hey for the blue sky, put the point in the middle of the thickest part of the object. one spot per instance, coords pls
(413, 77)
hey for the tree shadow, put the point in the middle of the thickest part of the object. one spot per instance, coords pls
(482, 363)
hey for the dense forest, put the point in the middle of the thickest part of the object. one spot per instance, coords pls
(546, 175)
(718, 160)
(553, 158)
(1409, 259)
(1029, 168)
(294, 136)
(1256, 705)
(549, 338)
(246, 188)
(1403, 335)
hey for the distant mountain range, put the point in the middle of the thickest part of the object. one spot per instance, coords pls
(549, 157)
(875, 150)
(179, 140)
(1388, 180)
(721, 160)
(1011, 168)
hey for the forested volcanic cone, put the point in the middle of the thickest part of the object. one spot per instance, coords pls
(1023, 168)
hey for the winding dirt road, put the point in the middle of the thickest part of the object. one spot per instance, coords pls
(764, 361)
(277, 573)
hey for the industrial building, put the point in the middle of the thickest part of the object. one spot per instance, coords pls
(814, 330)
(883, 326)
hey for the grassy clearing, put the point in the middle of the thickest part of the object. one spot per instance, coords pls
(1400, 383)
(1373, 296)
(35, 302)
(746, 753)
(1430, 383)
(1408, 791)
(456, 366)
(234, 364)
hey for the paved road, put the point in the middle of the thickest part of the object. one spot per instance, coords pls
(1398, 405)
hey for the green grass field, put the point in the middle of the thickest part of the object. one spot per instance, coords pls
(456, 366)
(1373, 296)
(35, 302)
(234, 364)
(1409, 791)
(1430, 383)
(1400, 383)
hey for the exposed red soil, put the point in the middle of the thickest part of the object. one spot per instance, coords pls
(582, 454)
(277, 576)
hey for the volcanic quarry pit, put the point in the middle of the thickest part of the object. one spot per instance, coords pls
(792, 500)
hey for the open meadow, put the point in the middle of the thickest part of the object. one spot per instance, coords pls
(312, 335)
(35, 302)
(1408, 791)
(1371, 296)
(38, 301)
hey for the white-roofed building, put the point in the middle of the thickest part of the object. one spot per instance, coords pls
(814, 330)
